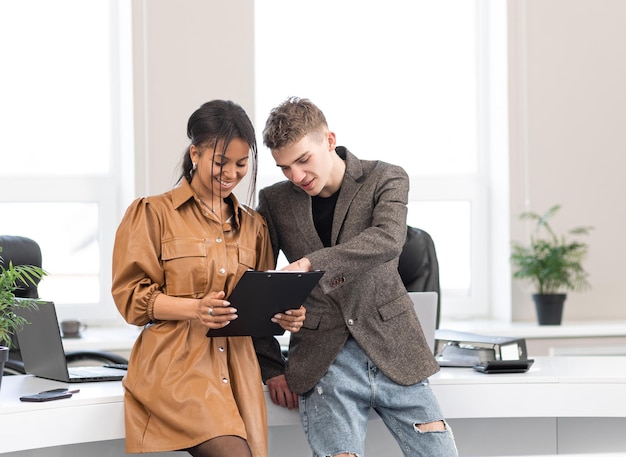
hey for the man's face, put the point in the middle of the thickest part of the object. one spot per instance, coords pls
(309, 162)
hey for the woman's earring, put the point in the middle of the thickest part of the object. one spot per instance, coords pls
(194, 166)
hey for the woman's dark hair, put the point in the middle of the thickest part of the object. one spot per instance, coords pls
(215, 121)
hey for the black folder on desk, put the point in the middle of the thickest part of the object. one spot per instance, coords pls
(260, 294)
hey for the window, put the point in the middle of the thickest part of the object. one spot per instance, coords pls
(65, 69)
(408, 83)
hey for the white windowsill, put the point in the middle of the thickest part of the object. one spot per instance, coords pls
(121, 338)
(531, 330)
(115, 339)
(112, 339)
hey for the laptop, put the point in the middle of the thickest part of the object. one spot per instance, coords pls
(425, 304)
(42, 349)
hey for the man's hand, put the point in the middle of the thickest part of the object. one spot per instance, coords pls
(280, 393)
(303, 264)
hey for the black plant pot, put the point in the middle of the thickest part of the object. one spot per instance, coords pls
(549, 308)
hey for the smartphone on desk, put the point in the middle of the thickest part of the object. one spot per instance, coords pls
(49, 395)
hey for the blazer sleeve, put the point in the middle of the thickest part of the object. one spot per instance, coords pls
(270, 357)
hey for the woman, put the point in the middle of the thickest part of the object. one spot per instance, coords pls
(176, 257)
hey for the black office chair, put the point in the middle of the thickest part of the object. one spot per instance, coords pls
(21, 250)
(418, 265)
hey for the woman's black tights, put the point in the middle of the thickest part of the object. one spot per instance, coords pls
(222, 446)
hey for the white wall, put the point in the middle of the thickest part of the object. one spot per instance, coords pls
(186, 52)
(567, 105)
(568, 137)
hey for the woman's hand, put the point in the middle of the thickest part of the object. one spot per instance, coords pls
(215, 312)
(291, 319)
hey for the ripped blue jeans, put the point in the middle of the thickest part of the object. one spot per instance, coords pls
(335, 412)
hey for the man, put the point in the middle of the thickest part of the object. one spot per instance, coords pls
(361, 345)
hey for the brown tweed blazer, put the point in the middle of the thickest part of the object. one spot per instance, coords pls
(361, 293)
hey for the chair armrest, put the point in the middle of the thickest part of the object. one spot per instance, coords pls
(12, 367)
(100, 356)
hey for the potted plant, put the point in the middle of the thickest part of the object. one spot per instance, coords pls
(552, 263)
(11, 278)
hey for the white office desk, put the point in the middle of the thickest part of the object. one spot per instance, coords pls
(562, 405)
(554, 387)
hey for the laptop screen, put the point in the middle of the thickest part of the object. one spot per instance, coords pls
(43, 353)
(40, 342)
(425, 304)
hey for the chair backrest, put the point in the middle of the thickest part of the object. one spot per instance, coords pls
(21, 251)
(418, 265)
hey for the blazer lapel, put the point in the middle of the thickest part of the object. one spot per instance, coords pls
(301, 210)
(302, 213)
(349, 188)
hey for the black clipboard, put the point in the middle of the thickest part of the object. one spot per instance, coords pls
(260, 294)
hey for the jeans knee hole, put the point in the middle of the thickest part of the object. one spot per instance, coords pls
(435, 426)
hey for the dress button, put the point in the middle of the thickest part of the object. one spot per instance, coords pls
(350, 321)
(221, 349)
(218, 240)
(224, 381)
(222, 271)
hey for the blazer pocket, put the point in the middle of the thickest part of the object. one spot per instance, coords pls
(312, 321)
(394, 308)
(185, 266)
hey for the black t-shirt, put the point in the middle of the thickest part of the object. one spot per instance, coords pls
(324, 209)
(323, 212)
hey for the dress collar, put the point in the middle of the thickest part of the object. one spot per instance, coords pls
(183, 193)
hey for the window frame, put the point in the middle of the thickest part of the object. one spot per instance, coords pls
(106, 190)
(475, 188)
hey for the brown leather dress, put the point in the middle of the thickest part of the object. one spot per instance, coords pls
(183, 388)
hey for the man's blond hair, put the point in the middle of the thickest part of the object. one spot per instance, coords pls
(291, 121)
